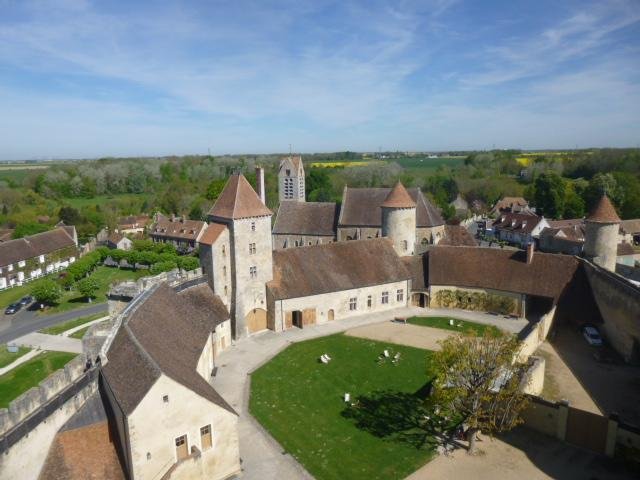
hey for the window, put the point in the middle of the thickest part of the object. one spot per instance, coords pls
(288, 173)
(253, 226)
(252, 248)
(205, 437)
(224, 251)
(405, 245)
(165, 398)
(385, 298)
(225, 291)
(353, 303)
(253, 272)
(400, 295)
(21, 263)
(41, 258)
(369, 301)
(148, 455)
(224, 271)
(182, 449)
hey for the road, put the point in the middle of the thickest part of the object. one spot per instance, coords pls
(27, 321)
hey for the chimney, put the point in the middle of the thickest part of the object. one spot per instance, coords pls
(260, 184)
(530, 250)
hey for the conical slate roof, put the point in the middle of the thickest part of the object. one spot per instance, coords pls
(604, 212)
(398, 198)
(238, 200)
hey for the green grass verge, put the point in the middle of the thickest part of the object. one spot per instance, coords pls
(29, 374)
(6, 357)
(443, 323)
(80, 333)
(63, 327)
(300, 401)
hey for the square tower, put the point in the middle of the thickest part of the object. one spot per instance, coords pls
(291, 179)
(248, 222)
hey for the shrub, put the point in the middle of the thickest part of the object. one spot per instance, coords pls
(46, 291)
(160, 267)
(478, 301)
(88, 287)
(188, 263)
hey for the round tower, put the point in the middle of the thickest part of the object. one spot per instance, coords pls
(399, 220)
(601, 235)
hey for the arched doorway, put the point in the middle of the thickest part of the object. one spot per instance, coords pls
(331, 315)
(256, 320)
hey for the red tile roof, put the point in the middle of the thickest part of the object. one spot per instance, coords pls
(238, 200)
(33, 246)
(604, 212)
(398, 198)
(306, 218)
(179, 228)
(457, 236)
(212, 233)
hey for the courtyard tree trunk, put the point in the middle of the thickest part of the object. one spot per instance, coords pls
(472, 435)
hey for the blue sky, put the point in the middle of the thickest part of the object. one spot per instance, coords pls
(88, 79)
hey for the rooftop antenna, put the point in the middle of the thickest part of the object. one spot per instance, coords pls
(290, 150)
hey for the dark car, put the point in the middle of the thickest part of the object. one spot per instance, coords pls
(26, 300)
(13, 308)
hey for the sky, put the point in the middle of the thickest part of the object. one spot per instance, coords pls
(86, 79)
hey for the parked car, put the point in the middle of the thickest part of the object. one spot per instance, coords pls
(592, 336)
(24, 301)
(13, 308)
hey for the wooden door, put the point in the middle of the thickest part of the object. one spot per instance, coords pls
(309, 316)
(331, 314)
(587, 430)
(256, 320)
(182, 449)
(205, 437)
(288, 320)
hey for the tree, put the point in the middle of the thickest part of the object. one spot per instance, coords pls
(46, 291)
(478, 382)
(88, 287)
(29, 228)
(70, 215)
(573, 202)
(188, 263)
(549, 194)
(215, 189)
(603, 183)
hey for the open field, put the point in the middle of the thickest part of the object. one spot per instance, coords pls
(6, 358)
(29, 374)
(347, 163)
(465, 325)
(103, 200)
(301, 402)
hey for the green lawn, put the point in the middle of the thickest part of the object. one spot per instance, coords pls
(102, 200)
(63, 327)
(105, 277)
(6, 358)
(443, 323)
(29, 374)
(300, 401)
(80, 333)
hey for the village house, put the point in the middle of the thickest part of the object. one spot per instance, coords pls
(133, 224)
(563, 236)
(511, 205)
(33, 256)
(183, 233)
(167, 418)
(119, 241)
(630, 231)
(461, 206)
(520, 229)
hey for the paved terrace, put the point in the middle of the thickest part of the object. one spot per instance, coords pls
(262, 457)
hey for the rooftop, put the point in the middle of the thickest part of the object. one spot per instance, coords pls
(604, 212)
(238, 200)
(398, 198)
(32, 246)
(306, 218)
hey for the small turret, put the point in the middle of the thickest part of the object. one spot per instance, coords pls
(399, 220)
(601, 236)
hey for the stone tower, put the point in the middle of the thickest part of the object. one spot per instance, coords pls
(248, 221)
(291, 179)
(399, 220)
(601, 236)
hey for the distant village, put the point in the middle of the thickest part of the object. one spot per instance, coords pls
(160, 389)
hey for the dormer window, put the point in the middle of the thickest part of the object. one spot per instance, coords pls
(253, 226)
(288, 173)
(524, 224)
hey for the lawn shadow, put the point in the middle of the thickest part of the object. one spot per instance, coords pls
(398, 416)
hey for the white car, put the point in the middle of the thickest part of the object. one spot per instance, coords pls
(592, 336)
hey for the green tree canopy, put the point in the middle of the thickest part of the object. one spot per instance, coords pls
(46, 291)
(88, 287)
(549, 195)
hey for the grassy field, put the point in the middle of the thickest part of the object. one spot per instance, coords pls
(63, 327)
(80, 333)
(29, 374)
(17, 173)
(300, 401)
(72, 299)
(6, 358)
(103, 200)
(443, 323)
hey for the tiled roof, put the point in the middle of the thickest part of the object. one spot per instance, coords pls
(134, 221)
(296, 161)
(457, 236)
(115, 238)
(212, 233)
(33, 246)
(334, 267)
(398, 198)
(238, 200)
(546, 276)
(179, 227)
(574, 233)
(306, 218)
(630, 226)
(361, 208)
(416, 265)
(604, 212)
(513, 204)
(517, 222)
(164, 335)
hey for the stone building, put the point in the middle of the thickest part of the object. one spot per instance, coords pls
(399, 220)
(519, 229)
(168, 420)
(181, 232)
(33, 256)
(291, 183)
(236, 254)
(601, 236)
(304, 223)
